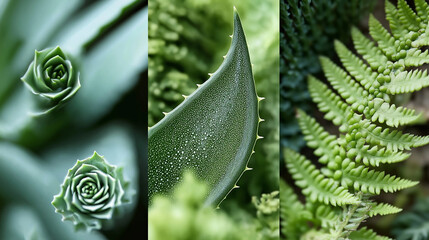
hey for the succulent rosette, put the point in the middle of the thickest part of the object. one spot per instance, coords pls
(91, 194)
(52, 78)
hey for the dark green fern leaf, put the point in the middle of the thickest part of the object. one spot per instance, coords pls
(414, 224)
(304, 23)
(366, 234)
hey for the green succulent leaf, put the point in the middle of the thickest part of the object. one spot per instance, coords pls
(91, 192)
(213, 131)
(52, 77)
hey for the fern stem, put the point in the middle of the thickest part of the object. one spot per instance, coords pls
(353, 216)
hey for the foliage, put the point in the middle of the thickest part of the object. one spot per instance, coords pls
(268, 215)
(307, 30)
(413, 224)
(228, 106)
(189, 219)
(362, 108)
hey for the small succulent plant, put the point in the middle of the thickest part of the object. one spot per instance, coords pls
(91, 192)
(52, 77)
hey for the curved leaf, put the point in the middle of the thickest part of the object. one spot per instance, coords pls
(212, 132)
(21, 222)
(88, 24)
(110, 73)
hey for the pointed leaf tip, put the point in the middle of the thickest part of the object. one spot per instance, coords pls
(224, 131)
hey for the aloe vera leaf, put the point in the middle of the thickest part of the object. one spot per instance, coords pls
(212, 132)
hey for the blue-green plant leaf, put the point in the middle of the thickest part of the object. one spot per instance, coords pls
(88, 24)
(21, 222)
(213, 131)
(111, 69)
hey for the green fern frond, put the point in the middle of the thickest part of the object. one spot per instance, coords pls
(383, 209)
(292, 213)
(357, 68)
(366, 180)
(325, 145)
(415, 57)
(328, 101)
(422, 10)
(407, 82)
(408, 17)
(396, 25)
(385, 41)
(393, 140)
(327, 215)
(359, 101)
(314, 185)
(367, 49)
(351, 217)
(350, 90)
(383, 112)
(366, 234)
(372, 155)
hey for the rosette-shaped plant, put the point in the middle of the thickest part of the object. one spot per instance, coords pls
(52, 78)
(91, 193)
